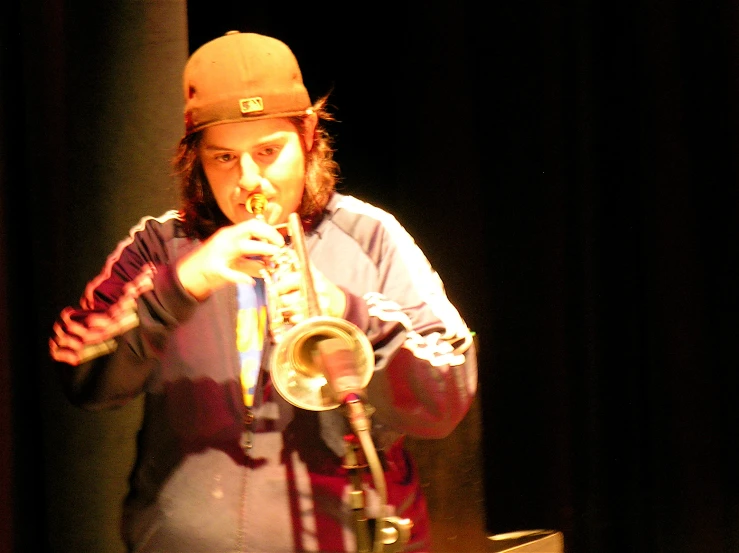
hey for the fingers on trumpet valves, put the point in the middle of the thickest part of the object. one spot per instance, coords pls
(288, 314)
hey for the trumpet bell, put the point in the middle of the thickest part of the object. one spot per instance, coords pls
(299, 378)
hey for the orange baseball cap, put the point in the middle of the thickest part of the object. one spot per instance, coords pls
(242, 76)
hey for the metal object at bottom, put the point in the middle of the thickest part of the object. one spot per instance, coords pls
(528, 541)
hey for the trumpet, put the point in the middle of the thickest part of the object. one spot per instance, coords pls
(321, 363)
(297, 365)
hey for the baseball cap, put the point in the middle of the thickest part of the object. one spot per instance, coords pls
(242, 76)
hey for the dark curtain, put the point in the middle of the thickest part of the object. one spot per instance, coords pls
(570, 170)
(611, 148)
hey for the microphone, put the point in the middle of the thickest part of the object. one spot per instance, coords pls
(337, 362)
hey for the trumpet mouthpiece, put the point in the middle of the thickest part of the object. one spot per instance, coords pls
(256, 203)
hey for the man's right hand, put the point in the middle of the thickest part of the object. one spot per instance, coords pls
(235, 253)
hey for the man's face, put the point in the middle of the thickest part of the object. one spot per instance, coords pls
(265, 156)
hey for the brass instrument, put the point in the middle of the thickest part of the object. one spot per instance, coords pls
(297, 372)
(295, 369)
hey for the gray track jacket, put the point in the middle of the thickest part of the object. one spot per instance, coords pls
(193, 488)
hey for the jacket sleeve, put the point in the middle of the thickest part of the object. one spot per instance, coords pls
(107, 346)
(425, 360)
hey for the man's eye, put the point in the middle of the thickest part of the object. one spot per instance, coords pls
(269, 151)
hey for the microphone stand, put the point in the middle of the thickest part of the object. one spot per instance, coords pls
(391, 533)
(354, 462)
(339, 367)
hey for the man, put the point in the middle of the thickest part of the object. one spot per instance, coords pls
(193, 308)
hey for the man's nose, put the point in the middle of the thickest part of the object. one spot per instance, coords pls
(251, 177)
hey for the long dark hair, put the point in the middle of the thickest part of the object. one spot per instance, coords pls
(200, 213)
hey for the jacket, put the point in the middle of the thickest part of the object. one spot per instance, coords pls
(196, 485)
